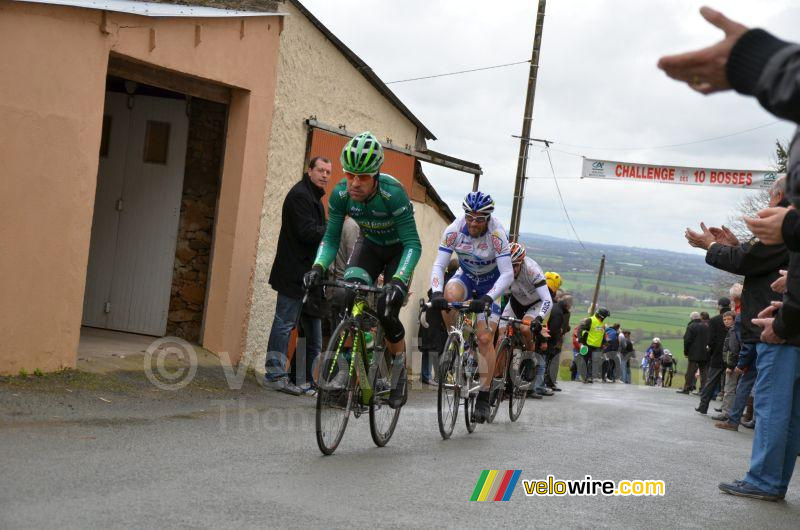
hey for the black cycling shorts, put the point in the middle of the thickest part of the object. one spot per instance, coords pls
(367, 262)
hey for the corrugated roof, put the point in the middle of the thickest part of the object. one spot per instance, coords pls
(365, 70)
(165, 9)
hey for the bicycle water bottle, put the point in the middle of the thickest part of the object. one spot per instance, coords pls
(369, 346)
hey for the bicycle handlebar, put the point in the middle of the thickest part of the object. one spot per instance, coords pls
(354, 286)
(462, 307)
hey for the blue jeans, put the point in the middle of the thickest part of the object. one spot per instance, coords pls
(538, 381)
(286, 311)
(624, 371)
(745, 386)
(777, 408)
(425, 370)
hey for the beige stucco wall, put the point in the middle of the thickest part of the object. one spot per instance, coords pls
(430, 225)
(52, 85)
(314, 78)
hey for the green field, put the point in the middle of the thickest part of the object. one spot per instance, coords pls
(657, 320)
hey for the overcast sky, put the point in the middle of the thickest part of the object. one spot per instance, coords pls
(598, 86)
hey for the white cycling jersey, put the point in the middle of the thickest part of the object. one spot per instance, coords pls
(529, 288)
(485, 259)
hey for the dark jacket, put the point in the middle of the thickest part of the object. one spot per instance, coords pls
(716, 339)
(730, 349)
(695, 341)
(555, 325)
(302, 228)
(432, 338)
(768, 68)
(759, 264)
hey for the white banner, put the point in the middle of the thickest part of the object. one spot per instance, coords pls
(694, 176)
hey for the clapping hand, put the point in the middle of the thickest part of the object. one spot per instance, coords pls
(724, 236)
(704, 70)
(767, 226)
(700, 239)
(779, 285)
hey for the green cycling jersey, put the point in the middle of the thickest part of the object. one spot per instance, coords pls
(386, 219)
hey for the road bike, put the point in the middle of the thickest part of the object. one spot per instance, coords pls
(352, 378)
(515, 368)
(459, 378)
(653, 369)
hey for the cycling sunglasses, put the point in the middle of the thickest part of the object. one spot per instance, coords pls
(476, 218)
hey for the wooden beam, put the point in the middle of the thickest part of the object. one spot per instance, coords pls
(168, 79)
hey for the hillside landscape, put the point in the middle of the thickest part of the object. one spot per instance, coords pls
(650, 292)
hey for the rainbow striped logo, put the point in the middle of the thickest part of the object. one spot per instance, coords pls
(496, 485)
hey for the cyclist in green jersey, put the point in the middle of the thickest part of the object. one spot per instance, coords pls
(388, 244)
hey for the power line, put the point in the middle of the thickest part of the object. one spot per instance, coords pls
(673, 145)
(561, 198)
(457, 73)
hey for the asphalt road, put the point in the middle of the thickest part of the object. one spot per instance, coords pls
(253, 462)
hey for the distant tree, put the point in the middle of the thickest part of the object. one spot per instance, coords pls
(751, 204)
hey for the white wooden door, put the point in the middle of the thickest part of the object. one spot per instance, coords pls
(147, 211)
(105, 221)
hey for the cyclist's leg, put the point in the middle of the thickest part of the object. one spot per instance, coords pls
(457, 289)
(502, 325)
(485, 333)
(394, 331)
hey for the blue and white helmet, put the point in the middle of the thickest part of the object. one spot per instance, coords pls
(478, 202)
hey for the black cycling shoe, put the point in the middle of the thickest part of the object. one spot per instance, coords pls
(397, 395)
(482, 411)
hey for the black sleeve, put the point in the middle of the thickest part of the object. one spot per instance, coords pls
(555, 324)
(764, 66)
(583, 330)
(787, 320)
(688, 339)
(298, 207)
(747, 259)
(790, 230)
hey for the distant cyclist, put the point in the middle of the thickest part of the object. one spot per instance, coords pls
(389, 243)
(530, 301)
(484, 274)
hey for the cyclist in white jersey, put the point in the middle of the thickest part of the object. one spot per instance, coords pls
(530, 301)
(484, 274)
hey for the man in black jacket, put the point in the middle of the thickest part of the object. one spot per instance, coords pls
(695, 349)
(755, 63)
(302, 228)
(557, 324)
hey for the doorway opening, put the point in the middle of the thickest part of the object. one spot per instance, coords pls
(155, 207)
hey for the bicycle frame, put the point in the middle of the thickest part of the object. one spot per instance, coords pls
(359, 317)
(514, 336)
(457, 332)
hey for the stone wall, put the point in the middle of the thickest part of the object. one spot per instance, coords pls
(198, 206)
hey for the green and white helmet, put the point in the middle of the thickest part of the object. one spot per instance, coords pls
(363, 154)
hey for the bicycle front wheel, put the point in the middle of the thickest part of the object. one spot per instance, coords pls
(449, 386)
(382, 417)
(516, 379)
(498, 383)
(335, 390)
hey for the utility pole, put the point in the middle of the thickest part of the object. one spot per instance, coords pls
(524, 143)
(597, 285)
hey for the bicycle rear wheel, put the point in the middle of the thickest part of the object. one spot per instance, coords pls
(516, 378)
(449, 386)
(382, 417)
(335, 390)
